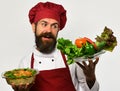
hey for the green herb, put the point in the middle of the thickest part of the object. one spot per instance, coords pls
(67, 47)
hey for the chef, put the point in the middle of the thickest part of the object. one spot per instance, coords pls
(47, 19)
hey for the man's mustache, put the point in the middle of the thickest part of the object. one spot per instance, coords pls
(47, 35)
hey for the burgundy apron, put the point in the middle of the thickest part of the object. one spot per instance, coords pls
(53, 80)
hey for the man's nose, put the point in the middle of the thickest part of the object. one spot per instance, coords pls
(48, 28)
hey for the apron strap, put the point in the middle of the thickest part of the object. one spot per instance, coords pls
(64, 58)
(32, 60)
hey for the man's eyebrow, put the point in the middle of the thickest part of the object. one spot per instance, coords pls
(55, 23)
(43, 21)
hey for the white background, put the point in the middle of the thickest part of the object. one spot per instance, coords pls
(85, 18)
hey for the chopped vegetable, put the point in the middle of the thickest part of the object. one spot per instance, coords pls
(20, 76)
(20, 73)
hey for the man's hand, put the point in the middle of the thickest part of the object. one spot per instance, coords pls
(89, 71)
(22, 87)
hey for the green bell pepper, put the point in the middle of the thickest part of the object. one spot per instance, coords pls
(89, 49)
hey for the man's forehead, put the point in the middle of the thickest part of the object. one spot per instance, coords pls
(48, 20)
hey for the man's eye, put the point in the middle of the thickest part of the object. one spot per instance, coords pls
(44, 24)
(55, 26)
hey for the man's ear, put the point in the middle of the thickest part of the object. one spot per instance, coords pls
(33, 27)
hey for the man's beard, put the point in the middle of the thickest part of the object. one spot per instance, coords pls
(45, 46)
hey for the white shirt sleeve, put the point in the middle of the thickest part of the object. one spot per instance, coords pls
(79, 80)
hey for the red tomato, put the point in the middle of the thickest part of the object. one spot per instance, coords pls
(91, 42)
(79, 42)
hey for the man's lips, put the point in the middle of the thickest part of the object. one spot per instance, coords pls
(47, 38)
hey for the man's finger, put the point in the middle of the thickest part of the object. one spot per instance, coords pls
(96, 61)
(85, 64)
(80, 65)
(91, 64)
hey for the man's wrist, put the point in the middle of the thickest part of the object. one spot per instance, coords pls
(90, 81)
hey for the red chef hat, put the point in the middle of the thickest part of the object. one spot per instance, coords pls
(48, 10)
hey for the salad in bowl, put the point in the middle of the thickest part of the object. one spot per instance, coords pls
(20, 76)
(84, 48)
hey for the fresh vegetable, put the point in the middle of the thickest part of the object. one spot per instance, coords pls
(79, 42)
(68, 48)
(89, 46)
(89, 49)
(72, 51)
(100, 45)
(106, 40)
(85, 47)
(91, 42)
